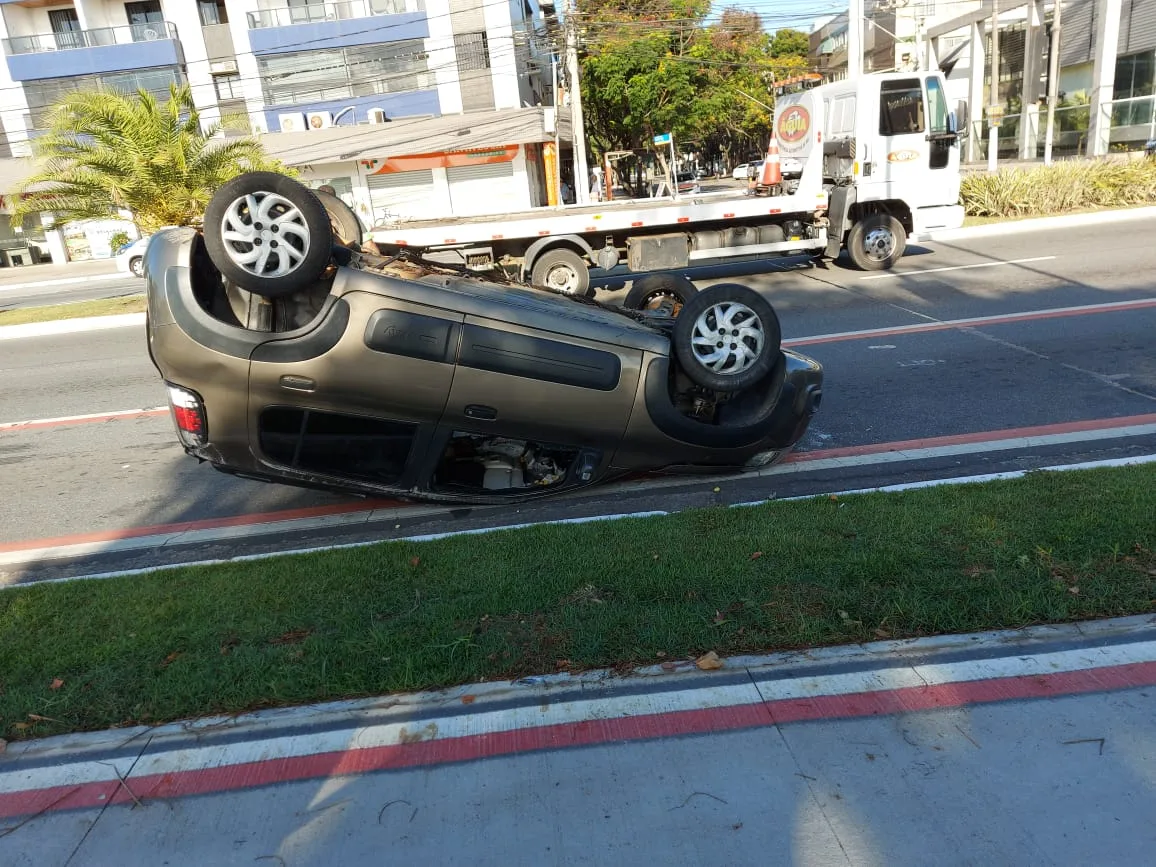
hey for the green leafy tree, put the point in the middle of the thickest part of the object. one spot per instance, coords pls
(789, 43)
(657, 66)
(107, 152)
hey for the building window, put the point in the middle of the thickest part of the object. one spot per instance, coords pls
(66, 28)
(900, 107)
(145, 20)
(1135, 77)
(319, 76)
(43, 93)
(473, 51)
(228, 86)
(212, 12)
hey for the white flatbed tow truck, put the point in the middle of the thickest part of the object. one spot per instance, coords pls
(880, 162)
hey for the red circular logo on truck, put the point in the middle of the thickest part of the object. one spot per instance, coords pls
(794, 123)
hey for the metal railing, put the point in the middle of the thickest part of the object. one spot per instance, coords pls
(343, 10)
(1131, 122)
(95, 38)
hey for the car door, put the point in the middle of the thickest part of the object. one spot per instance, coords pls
(358, 395)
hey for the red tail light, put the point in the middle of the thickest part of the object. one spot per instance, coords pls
(189, 415)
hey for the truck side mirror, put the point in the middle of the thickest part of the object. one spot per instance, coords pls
(960, 119)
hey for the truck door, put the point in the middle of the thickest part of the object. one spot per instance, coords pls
(918, 161)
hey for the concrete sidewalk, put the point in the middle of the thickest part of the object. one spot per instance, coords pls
(1027, 747)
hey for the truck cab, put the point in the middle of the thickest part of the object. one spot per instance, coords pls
(887, 147)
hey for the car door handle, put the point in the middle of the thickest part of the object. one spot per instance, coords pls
(481, 413)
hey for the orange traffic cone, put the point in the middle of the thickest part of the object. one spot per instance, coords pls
(772, 173)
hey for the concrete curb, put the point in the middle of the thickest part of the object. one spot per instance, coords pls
(1038, 224)
(226, 753)
(71, 326)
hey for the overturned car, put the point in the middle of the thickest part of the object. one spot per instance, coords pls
(292, 353)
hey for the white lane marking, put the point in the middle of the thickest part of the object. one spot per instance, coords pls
(945, 324)
(491, 713)
(67, 419)
(881, 346)
(71, 326)
(67, 281)
(887, 274)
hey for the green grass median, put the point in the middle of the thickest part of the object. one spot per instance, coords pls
(76, 310)
(1049, 547)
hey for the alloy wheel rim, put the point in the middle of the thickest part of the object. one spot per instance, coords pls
(728, 338)
(265, 234)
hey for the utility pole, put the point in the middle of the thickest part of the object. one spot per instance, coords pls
(577, 121)
(1053, 83)
(854, 39)
(993, 102)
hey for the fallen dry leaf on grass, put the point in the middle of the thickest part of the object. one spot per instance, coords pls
(291, 637)
(756, 555)
(56, 683)
(709, 661)
(414, 561)
(468, 699)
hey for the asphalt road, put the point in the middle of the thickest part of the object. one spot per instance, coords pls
(48, 292)
(1043, 370)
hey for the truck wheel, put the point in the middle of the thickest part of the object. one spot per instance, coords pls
(561, 270)
(342, 219)
(268, 234)
(876, 242)
(727, 338)
(646, 293)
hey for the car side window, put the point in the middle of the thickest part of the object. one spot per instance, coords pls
(901, 107)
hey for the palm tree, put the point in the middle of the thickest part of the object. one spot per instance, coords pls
(108, 151)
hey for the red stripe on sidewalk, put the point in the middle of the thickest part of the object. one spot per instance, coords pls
(250, 775)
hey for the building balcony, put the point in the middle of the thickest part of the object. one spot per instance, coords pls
(315, 26)
(92, 52)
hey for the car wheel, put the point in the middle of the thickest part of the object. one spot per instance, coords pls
(268, 234)
(727, 338)
(342, 219)
(136, 266)
(647, 293)
(561, 270)
(876, 242)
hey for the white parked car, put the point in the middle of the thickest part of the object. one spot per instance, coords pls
(130, 259)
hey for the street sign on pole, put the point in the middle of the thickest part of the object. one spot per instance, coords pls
(665, 138)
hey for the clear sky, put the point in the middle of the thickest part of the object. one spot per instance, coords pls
(799, 14)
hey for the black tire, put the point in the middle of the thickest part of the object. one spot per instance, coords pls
(561, 270)
(876, 242)
(703, 307)
(309, 247)
(646, 292)
(136, 266)
(347, 228)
